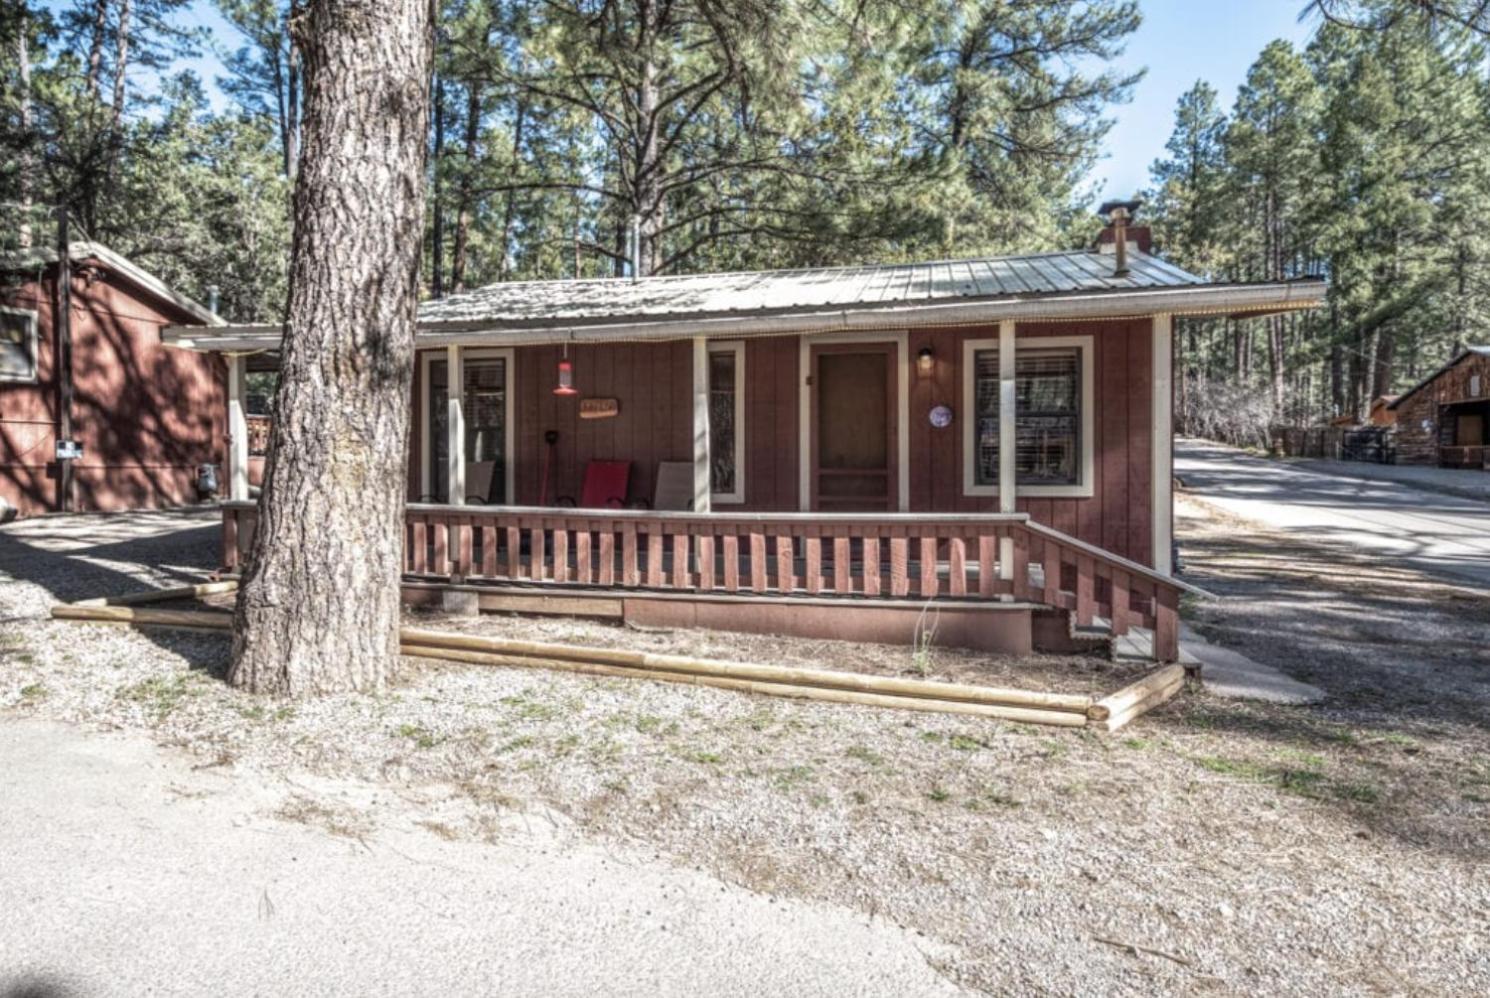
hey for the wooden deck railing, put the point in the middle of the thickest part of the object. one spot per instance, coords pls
(858, 556)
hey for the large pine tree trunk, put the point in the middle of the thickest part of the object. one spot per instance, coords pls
(318, 610)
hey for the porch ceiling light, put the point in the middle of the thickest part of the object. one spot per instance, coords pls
(925, 360)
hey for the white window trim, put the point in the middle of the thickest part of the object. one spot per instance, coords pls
(1085, 484)
(805, 343)
(32, 318)
(426, 357)
(737, 348)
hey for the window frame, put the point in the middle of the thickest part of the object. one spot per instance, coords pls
(33, 320)
(736, 495)
(1084, 487)
(428, 357)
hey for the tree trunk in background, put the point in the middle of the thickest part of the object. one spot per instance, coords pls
(95, 47)
(27, 160)
(318, 610)
(437, 237)
(461, 249)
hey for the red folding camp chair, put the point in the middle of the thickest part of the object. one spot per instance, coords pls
(604, 486)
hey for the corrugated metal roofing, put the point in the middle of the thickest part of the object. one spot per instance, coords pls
(1031, 275)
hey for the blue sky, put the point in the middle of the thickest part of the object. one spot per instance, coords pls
(1180, 42)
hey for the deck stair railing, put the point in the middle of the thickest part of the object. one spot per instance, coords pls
(849, 556)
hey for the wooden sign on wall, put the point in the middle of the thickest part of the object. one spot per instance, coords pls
(599, 408)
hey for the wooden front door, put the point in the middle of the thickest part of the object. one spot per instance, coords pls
(854, 436)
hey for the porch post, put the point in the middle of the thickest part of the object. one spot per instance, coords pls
(1008, 439)
(237, 428)
(701, 460)
(1163, 443)
(455, 425)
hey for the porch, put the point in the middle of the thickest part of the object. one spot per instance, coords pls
(993, 581)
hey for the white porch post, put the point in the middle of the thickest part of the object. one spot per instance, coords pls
(237, 428)
(1008, 480)
(1163, 443)
(701, 460)
(455, 425)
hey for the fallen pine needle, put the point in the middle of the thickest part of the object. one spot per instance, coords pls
(1136, 949)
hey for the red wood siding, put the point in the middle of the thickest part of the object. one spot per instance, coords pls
(145, 413)
(653, 383)
(1118, 516)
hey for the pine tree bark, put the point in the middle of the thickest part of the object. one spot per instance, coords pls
(318, 610)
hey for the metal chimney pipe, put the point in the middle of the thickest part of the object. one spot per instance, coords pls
(1119, 218)
(635, 249)
(212, 298)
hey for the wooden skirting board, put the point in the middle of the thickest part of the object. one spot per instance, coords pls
(1064, 710)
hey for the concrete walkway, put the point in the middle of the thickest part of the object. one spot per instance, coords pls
(1444, 537)
(125, 870)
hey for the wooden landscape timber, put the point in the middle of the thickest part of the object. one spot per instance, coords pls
(1064, 710)
(161, 595)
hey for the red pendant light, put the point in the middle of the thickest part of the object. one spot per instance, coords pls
(566, 376)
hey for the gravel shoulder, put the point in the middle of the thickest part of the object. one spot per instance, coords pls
(1214, 847)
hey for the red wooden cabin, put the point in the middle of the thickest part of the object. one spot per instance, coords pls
(146, 416)
(990, 438)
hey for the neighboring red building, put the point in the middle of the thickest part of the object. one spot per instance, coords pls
(1445, 418)
(146, 416)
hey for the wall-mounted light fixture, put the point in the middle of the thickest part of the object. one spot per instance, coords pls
(925, 360)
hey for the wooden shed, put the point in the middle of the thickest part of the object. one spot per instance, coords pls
(144, 416)
(831, 451)
(1444, 419)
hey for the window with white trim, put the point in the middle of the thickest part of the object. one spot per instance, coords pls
(17, 344)
(727, 422)
(1053, 399)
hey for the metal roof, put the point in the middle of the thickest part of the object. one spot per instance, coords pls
(762, 291)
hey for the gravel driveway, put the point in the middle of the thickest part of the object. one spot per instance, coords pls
(1214, 847)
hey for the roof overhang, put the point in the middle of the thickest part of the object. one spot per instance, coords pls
(79, 251)
(1208, 299)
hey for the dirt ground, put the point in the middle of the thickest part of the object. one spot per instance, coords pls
(1213, 847)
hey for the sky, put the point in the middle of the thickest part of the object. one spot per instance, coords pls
(1180, 41)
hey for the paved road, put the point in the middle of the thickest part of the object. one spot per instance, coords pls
(1444, 536)
(126, 871)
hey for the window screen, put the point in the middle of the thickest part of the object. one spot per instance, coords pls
(17, 344)
(723, 474)
(1047, 388)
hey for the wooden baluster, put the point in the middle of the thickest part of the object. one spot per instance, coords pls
(1085, 581)
(514, 566)
(680, 558)
(786, 569)
(731, 562)
(442, 547)
(704, 544)
(930, 586)
(1050, 564)
(421, 540)
(871, 565)
(489, 550)
(814, 567)
(1166, 623)
(630, 572)
(584, 573)
(465, 560)
(607, 554)
(1120, 610)
(537, 552)
(561, 552)
(654, 555)
(758, 569)
(988, 554)
(900, 564)
(843, 565)
(957, 565)
(1021, 565)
